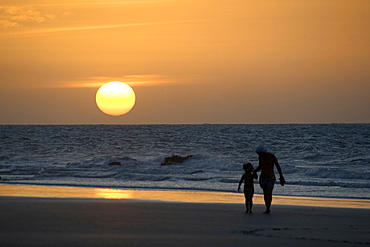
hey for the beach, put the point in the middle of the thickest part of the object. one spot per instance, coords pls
(83, 219)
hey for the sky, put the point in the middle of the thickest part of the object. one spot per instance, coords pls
(188, 61)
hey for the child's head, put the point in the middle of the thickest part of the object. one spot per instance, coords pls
(248, 166)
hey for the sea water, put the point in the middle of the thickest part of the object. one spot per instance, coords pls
(320, 160)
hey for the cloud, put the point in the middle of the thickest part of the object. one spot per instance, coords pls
(132, 80)
(8, 24)
(125, 25)
(15, 16)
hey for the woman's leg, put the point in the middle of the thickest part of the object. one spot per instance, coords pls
(267, 195)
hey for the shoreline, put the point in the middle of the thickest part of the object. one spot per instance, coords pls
(41, 191)
(70, 216)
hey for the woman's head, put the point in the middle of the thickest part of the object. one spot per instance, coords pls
(261, 149)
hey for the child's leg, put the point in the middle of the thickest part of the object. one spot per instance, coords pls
(250, 204)
(250, 201)
(246, 202)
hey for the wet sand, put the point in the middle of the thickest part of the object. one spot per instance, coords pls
(67, 216)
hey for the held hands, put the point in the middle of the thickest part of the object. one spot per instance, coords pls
(282, 181)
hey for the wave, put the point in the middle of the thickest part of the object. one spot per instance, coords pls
(325, 158)
(200, 168)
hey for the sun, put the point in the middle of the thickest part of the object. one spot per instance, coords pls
(115, 98)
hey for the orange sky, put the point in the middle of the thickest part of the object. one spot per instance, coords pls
(189, 61)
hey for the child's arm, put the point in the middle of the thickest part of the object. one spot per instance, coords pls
(255, 176)
(240, 182)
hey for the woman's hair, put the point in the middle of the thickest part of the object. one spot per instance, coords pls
(246, 165)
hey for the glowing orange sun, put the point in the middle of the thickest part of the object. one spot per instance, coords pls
(115, 98)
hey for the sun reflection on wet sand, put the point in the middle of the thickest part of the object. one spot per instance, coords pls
(113, 194)
(171, 196)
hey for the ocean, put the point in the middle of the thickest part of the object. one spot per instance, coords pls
(319, 160)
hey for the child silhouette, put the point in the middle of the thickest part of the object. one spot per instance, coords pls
(247, 178)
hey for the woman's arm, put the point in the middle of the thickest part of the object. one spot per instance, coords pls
(282, 179)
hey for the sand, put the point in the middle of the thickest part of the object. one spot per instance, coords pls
(84, 220)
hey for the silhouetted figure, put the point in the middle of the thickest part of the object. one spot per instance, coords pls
(267, 161)
(247, 179)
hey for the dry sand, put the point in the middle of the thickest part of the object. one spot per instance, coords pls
(77, 221)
